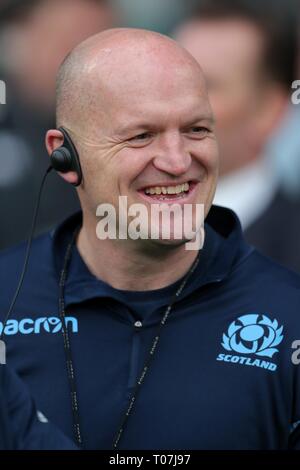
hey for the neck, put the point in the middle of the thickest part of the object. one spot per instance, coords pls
(125, 265)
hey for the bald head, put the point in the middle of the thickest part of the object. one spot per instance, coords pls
(116, 59)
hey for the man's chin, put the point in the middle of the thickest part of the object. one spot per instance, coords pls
(193, 242)
(163, 244)
(170, 242)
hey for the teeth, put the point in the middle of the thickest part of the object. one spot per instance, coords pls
(168, 189)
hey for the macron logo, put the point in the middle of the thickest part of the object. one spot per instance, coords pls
(28, 326)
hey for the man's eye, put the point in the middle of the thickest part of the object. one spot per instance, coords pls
(141, 137)
(198, 130)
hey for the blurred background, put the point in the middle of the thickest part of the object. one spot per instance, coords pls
(249, 52)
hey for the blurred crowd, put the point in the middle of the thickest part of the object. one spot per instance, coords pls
(249, 52)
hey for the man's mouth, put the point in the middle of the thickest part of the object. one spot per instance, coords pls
(169, 192)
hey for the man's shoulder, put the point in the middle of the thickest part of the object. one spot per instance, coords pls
(260, 286)
(270, 284)
(43, 244)
(16, 251)
(13, 258)
(263, 267)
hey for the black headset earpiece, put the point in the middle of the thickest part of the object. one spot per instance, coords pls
(66, 158)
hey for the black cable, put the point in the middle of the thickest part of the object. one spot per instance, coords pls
(25, 265)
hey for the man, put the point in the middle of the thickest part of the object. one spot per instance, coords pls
(161, 347)
(21, 426)
(248, 52)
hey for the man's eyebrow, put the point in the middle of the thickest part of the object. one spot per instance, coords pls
(208, 118)
(142, 126)
(134, 127)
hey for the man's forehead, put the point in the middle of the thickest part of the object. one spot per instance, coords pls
(181, 110)
(121, 51)
(146, 86)
(116, 65)
(129, 66)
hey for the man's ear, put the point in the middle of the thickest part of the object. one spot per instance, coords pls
(53, 140)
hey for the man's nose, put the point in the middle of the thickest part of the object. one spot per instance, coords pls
(172, 157)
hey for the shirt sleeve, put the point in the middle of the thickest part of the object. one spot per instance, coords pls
(23, 427)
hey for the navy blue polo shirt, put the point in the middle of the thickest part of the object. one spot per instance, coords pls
(222, 376)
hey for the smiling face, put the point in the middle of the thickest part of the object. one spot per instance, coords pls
(149, 134)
